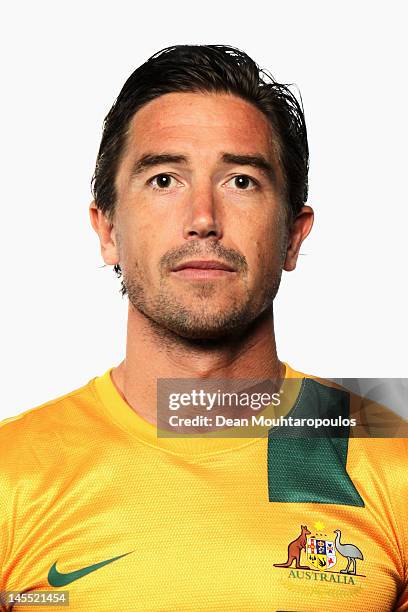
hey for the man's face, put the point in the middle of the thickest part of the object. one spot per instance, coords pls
(200, 181)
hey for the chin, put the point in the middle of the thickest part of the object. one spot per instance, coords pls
(204, 328)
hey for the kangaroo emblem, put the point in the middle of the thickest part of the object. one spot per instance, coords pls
(295, 549)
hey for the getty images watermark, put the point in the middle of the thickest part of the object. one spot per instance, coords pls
(289, 407)
(254, 401)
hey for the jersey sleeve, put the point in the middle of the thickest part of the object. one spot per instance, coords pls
(5, 496)
(7, 488)
(401, 515)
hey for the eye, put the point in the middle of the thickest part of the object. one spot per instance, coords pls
(162, 181)
(243, 182)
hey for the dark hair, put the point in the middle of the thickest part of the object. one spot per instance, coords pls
(206, 68)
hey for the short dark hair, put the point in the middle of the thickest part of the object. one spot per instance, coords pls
(206, 69)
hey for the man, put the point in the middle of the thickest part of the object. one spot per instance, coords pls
(200, 189)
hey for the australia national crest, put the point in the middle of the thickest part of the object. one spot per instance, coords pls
(321, 553)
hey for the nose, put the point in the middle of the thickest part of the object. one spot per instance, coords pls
(202, 217)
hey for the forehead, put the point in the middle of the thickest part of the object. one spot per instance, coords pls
(197, 123)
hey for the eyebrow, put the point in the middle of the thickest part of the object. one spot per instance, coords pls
(151, 160)
(256, 161)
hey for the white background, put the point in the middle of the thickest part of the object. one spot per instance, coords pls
(341, 313)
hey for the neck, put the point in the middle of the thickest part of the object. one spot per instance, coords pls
(153, 352)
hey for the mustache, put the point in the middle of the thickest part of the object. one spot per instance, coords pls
(197, 250)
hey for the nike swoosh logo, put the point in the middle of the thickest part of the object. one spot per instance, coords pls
(58, 579)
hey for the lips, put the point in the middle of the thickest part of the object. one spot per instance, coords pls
(203, 265)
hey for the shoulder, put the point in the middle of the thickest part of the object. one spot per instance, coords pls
(359, 398)
(39, 425)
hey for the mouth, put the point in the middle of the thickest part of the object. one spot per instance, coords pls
(203, 269)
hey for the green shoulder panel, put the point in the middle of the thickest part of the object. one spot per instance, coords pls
(308, 465)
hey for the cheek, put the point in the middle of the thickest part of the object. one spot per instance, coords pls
(143, 245)
(132, 244)
(266, 259)
(264, 246)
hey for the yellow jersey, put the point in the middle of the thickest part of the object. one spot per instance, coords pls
(96, 506)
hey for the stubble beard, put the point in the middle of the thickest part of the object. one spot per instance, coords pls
(204, 321)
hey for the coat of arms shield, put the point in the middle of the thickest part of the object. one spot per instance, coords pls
(321, 554)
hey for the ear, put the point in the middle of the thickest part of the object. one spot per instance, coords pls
(106, 232)
(300, 229)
